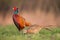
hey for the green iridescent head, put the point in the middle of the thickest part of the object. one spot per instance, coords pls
(15, 10)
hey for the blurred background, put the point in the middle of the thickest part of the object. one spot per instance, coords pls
(41, 12)
(45, 13)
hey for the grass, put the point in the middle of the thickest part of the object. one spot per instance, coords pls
(10, 32)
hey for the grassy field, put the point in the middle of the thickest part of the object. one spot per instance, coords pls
(10, 32)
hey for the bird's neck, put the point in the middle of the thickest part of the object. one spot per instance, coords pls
(16, 12)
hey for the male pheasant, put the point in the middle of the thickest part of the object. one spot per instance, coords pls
(18, 20)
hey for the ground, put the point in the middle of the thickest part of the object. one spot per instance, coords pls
(10, 32)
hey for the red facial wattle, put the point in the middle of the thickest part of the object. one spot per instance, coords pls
(14, 8)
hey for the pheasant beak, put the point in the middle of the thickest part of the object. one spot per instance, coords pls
(13, 8)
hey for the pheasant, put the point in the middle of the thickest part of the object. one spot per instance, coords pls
(19, 21)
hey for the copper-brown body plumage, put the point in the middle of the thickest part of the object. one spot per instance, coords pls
(18, 20)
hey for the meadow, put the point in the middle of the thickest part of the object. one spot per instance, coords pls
(10, 32)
